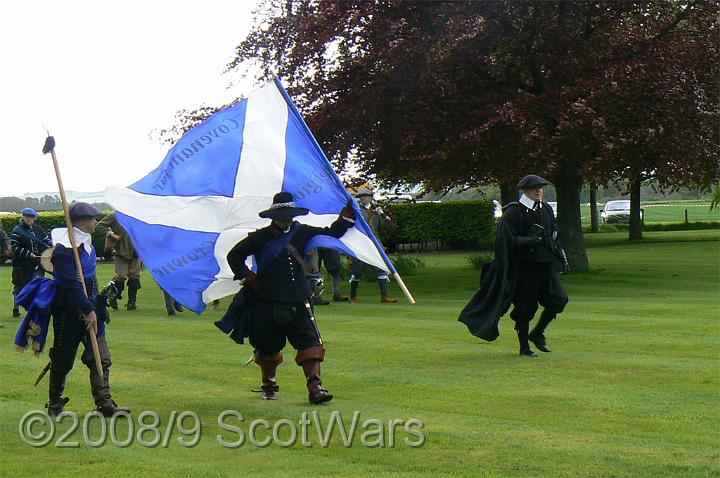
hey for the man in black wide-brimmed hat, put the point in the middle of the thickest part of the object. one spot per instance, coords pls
(279, 293)
(526, 247)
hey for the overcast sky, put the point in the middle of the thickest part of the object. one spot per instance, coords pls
(102, 76)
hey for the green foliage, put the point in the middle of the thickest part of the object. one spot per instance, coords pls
(406, 264)
(477, 261)
(458, 224)
(49, 220)
(609, 228)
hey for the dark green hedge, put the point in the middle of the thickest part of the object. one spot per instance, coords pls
(457, 224)
(49, 220)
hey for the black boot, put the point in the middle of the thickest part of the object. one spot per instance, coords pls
(537, 336)
(100, 384)
(120, 286)
(56, 402)
(132, 298)
(353, 291)
(101, 394)
(522, 328)
(133, 287)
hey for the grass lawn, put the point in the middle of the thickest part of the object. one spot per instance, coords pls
(632, 387)
(667, 211)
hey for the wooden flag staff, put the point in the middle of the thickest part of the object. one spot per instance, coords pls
(50, 148)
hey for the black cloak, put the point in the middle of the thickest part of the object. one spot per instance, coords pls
(498, 279)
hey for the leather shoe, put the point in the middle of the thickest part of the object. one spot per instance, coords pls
(270, 390)
(111, 408)
(354, 300)
(527, 353)
(539, 342)
(321, 397)
(339, 298)
(388, 299)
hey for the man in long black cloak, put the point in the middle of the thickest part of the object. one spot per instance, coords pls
(522, 273)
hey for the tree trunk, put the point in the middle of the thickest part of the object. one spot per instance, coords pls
(568, 187)
(635, 221)
(594, 225)
(508, 193)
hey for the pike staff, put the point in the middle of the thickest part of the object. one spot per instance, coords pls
(50, 148)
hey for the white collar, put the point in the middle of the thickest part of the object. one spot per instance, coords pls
(527, 202)
(60, 236)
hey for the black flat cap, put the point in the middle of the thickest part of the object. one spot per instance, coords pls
(530, 181)
(83, 209)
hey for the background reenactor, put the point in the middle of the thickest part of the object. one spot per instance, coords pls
(127, 263)
(376, 219)
(28, 241)
(522, 273)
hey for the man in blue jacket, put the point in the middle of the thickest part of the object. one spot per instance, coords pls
(76, 315)
(28, 241)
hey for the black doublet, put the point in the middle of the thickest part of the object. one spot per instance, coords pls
(276, 311)
(283, 279)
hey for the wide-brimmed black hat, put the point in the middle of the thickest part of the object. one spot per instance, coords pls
(83, 209)
(530, 181)
(283, 207)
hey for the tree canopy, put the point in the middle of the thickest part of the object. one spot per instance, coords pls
(465, 93)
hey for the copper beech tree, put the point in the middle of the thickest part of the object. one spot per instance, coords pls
(468, 93)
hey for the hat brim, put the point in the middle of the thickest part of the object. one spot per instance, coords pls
(284, 212)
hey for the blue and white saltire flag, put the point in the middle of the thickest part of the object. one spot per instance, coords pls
(186, 215)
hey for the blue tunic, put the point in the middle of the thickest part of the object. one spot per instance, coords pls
(70, 300)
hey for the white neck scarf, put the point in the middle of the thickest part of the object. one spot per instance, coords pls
(60, 236)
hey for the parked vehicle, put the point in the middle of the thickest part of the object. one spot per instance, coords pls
(618, 212)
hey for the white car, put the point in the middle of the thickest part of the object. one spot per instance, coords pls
(618, 212)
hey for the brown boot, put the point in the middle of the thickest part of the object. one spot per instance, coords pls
(354, 300)
(339, 298)
(388, 299)
(268, 367)
(310, 359)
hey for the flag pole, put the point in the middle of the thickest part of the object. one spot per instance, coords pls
(50, 147)
(337, 180)
(404, 289)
